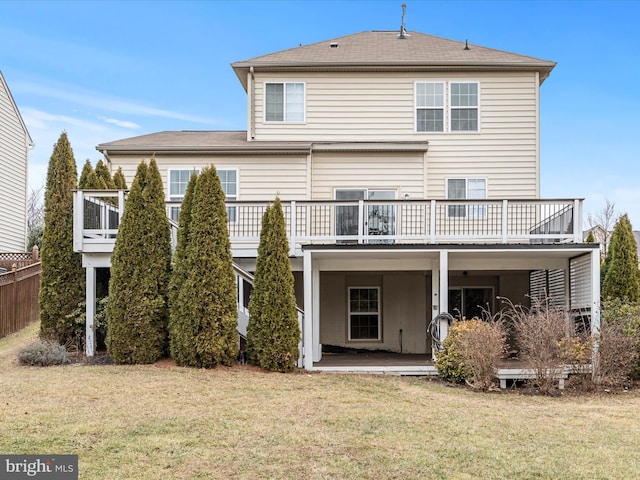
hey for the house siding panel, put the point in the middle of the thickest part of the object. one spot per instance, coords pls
(13, 175)
(401, 172)
(348, 107)
(260, 177)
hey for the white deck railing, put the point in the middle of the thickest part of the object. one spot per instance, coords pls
(97, 214)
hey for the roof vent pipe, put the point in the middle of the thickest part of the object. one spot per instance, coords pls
(403, 30)
(466, 44)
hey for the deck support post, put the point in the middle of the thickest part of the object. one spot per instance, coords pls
(307, 338)
(595, 307)
(315, 305)
(90, 292)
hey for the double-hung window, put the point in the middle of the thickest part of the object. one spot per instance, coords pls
(284, 102)
(179, 179)
(467, 189)
(464, 106)
(364, 313)
(229, 183)
(429, 107)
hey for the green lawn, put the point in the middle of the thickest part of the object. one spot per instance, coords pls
(165, 422)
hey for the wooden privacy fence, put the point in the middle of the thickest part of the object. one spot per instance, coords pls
(19, 288)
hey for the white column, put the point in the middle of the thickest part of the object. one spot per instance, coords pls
(90, 292)
(444, 290)
(595, 308)
(595, 291)
(315, 286)
(307, 333)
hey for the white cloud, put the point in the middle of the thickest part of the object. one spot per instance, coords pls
(37, 119)
(121, 123)
(102, 102)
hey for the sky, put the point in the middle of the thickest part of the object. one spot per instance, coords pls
(108, 70)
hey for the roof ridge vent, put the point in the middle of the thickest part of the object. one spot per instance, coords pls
(403, 30)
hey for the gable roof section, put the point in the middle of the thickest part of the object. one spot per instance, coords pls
(14, 107)
(384, 50)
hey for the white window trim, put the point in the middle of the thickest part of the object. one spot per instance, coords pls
(264, 103)
(237, 170)
(466, 180)
(444, 105)
(177, 198)
(450, 108)
(379, 313)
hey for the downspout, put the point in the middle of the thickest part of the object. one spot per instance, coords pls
(252, 80)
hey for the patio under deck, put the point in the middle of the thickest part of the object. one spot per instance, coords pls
(388, 363)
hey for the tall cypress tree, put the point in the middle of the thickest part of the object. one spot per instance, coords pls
(137, 311)
(118, 180)
(622, 276)
(255, 338)
(103, 174)
(275, 333)
(62, 279)
(87, 169)
(180, 331)
(208, 295)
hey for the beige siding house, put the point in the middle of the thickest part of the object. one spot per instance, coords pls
(409, 169)
(15, 144)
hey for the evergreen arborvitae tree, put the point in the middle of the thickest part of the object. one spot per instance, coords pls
(255, 340)
(181, 333)
(590, 238)
(137, 311)
(208, 295)
(87, 169)
(275, 332)
(118, 180)
(622, 276)
(63, 279)
(103, 174)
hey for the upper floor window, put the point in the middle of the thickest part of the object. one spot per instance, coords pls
(284, 102)
(467, 189)
(429, 107)
(178, 180)
(464, 106)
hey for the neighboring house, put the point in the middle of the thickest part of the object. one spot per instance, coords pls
(15, 143)
(409, 170)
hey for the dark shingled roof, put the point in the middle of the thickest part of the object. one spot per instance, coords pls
(198, 141)
(386, 50)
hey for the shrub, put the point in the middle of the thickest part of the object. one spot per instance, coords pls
(43, 353)
(450, 361)
(471, 352)
(620, 317)
(541, 336)
(78, 318)
(617, 356)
